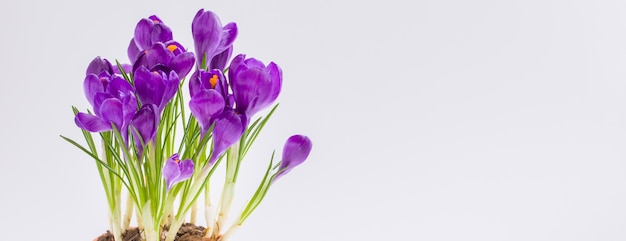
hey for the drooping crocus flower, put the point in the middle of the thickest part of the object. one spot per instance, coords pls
(296, 150)
(144, 126)
(228, 129)
(175, 170)
(156, 87)
(170, 55)
(114, 104)
(212, 39)
(255, 86)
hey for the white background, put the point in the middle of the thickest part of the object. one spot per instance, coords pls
(431, 120)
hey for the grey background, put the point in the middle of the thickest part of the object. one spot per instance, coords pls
(431, 120)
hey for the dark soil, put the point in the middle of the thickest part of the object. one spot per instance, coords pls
(187, 232)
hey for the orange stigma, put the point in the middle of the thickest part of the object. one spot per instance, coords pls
(177, 160)
(172, 47)
(213, 81)
(155, 21)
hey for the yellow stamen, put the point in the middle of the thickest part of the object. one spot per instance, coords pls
(172, 47)
(213, 81)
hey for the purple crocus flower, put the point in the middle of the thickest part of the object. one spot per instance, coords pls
(175, 170)
(156, 87)
(170, 55)
(296, 150)
(255, 86)
(212, 39)
(148, 31)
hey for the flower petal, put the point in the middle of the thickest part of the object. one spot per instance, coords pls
(143, 33)
(186, 169)
(228, 129)
(111, 111)
(182, 63)
(99, 65)
(149, 86)
(296, 150)
(91, 123)
(91, 86)
(206, 30)
(144, 124)
(133, 51)
(171, 171)
(205, 106)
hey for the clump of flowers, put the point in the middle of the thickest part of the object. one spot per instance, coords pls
(161, 155)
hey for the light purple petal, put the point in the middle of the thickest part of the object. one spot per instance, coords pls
(91, 123)
(186, 169)
(182, 63)
(91, 86)
(296, 150)
(206, 30)
(205, 106)
(171, 171)
(143, 33)
(227, 131)
(133, 51)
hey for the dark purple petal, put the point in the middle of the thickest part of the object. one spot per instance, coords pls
(158, 54)
(161, 33)
(227, 131)
(99, 65)
(97, 102)
(206, 30)
(195, 85)
(91, 86)
(119, 88)
(111, 111)
(171, 87)
(205, 106)
(296, 150)
(182, 63)
(144, 124)
(149, 86)
(91, 123)
(220, 60)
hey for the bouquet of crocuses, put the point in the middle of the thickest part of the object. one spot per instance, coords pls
(158, 155)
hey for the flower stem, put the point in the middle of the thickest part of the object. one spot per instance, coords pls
(130, 205)
(230, 232)
(208, 211)
(228, 191)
